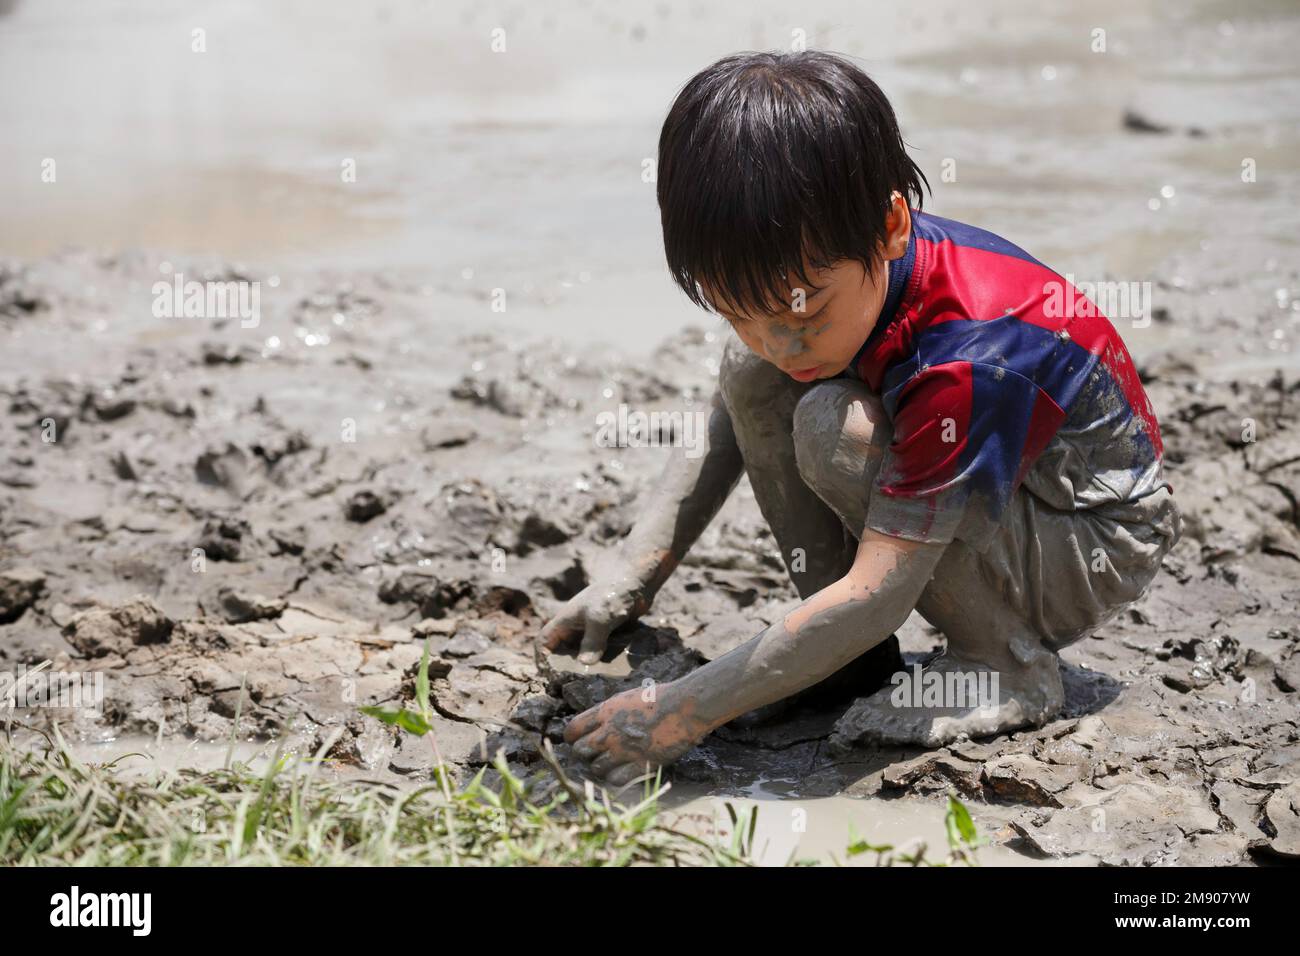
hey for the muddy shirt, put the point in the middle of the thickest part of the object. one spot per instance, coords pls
(997, 373)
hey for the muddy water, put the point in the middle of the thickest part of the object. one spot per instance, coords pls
(138, 755)
(522, 169)
(792, 829)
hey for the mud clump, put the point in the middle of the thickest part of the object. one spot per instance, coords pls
(18, 298)
(443, 435)
(364, 505)
(638, 656)
(537, 712)
(538, 531)
(225, 539)
(240, 607)
(19, 590)
(432, 596)
(222, 467)
(101, 631)
(1023, 779)
(1196, 663)
(1283, 815)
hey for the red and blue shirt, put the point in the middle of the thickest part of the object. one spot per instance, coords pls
(997, 373)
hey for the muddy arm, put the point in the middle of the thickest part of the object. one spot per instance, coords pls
(674, 512)
(681, 503)
(816, 638)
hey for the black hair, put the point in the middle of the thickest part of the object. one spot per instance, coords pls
(767, 157)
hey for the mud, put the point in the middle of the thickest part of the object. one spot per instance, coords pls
(206, 536)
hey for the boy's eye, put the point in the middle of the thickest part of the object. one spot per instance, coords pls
(800, 323)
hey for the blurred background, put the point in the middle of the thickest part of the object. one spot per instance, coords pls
(1114, 154)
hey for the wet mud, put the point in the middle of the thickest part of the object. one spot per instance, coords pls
(255, 530)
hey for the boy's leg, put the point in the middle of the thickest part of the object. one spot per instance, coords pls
(814, 543)
(995, 673)
(761, 400)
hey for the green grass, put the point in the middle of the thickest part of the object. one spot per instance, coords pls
(58, 810)
(963, 842)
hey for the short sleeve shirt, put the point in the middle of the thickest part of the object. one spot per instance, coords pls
(996, 373)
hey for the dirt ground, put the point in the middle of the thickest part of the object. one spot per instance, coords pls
(293, 509)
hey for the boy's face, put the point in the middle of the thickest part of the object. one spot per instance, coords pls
(819, 331)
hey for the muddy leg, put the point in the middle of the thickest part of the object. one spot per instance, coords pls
(815, 545)
(990, 642)
(996, 675)
(761, 401)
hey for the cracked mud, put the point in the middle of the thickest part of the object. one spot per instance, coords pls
(226, 529)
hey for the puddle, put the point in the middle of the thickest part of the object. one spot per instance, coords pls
(138, 755)
(791, 828)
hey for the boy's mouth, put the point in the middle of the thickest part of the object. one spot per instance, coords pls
(804, 374)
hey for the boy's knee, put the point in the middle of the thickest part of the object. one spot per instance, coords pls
(746, 379)
(839, 426)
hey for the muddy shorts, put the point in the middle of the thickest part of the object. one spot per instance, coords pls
(1068, 572)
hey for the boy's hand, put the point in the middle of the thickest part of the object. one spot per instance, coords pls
(636, 731)
(593, 613)
(829, 630)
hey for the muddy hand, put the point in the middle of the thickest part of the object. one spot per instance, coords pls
(635, 732)
(591, 615)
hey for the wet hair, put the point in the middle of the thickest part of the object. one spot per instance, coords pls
(767, 157)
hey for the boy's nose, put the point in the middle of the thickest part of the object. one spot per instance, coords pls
(783, 349)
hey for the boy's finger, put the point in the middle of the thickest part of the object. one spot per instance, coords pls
(593, 641)
(558, 630)
(580, 726)
(604, 763)
(624, 774)
(587, 749)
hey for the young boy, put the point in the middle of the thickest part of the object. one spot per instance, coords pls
(929, 417)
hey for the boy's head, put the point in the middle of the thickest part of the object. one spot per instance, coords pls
(784, 187)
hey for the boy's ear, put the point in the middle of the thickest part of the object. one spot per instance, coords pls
(898, 227)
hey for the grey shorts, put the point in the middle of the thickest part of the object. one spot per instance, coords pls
(1068, 572)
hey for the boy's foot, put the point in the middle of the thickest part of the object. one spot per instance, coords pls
(957, 698)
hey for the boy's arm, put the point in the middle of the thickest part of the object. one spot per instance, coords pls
(679, 506)
(843, 620)
(688, 494)
(822, 634)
